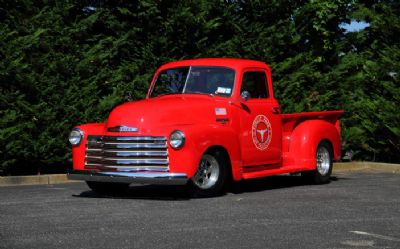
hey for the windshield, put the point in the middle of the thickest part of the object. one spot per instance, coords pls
(200, 80)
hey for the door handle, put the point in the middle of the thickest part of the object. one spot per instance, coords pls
(276, 110)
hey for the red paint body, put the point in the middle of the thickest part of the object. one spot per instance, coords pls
(292, 138)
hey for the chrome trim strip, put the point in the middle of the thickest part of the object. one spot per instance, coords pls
(139, 168)
(106, 160)
(133, 146)
(93, 150)
(129, 177)
(113, 142)
(107, 138)
(126, 153)
(145, 160)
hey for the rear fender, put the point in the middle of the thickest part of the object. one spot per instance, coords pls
(305, 139)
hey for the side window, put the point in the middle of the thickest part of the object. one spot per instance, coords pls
(256, 84)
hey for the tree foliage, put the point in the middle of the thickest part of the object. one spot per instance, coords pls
(68, 62)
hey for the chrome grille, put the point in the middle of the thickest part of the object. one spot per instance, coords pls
(127, 153)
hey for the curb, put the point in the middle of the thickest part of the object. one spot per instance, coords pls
(371, 166)
(34, 180)
(62, 178)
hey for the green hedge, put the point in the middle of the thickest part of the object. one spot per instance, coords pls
(63, 63)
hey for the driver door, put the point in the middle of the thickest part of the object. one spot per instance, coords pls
(261, 135)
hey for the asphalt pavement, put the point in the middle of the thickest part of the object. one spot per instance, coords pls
(356, 210)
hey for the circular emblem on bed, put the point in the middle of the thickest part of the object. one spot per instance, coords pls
(261, 132)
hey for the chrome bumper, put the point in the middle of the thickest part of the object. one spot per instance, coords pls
(129, 177)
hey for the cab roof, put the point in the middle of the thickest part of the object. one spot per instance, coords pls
(222, 62)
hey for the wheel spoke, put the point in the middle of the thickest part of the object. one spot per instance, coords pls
(207, 173)
(323, 160)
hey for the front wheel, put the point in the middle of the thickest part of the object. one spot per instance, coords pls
(210, 178)
(324, 164)
(108, 187)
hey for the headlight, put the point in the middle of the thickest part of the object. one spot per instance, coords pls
(75, 137)
(177, 139)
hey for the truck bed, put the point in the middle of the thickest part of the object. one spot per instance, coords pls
(291, 120)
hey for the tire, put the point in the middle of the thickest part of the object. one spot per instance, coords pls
(324, 164)
(108, 187)
(211, 175)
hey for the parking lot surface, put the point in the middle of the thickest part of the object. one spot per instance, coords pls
(356, 210)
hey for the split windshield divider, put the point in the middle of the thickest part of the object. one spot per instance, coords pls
(187, 78)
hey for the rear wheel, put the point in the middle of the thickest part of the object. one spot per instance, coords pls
(324, 164)
(210, 177)
(108, 187)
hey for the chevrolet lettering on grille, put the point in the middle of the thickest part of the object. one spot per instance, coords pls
(123, 128)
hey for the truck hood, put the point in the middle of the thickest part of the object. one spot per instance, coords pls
(170, 110)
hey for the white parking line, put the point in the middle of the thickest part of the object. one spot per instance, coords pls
(378, 236)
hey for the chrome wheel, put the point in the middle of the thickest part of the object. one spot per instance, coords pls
(208, 172)
(323, 160)
(323, 170)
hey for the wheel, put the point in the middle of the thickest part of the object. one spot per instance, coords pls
(210, 178)
(324, 164)
(108, 187)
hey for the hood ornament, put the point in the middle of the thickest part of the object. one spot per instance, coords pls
(123, 128)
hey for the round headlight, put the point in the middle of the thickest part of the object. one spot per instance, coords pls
(177, 139)
(75, 137)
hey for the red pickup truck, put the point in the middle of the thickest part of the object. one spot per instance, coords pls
(204, 122)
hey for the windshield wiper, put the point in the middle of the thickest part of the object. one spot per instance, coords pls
(202, 93)
(164, 94)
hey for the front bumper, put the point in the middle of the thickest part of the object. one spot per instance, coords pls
(163, 178)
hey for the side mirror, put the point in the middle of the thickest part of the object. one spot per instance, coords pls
(245, 95)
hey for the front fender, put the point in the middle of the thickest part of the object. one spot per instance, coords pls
(305, 139)
(199, 138)
(78, 152)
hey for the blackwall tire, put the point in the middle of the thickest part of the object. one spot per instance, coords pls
(324, 164)
(110, 188)
(211, 175)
